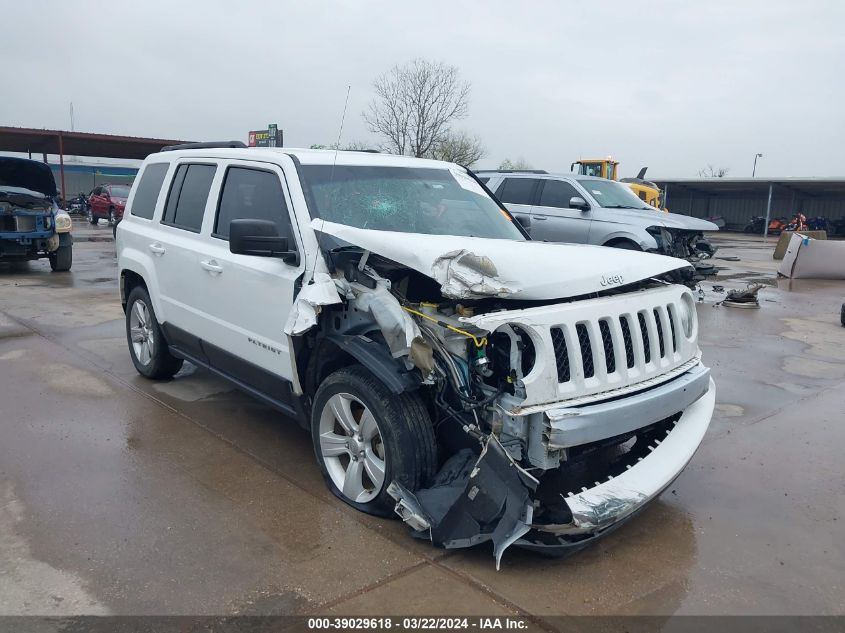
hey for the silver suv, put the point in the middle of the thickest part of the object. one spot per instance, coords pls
(589, 210)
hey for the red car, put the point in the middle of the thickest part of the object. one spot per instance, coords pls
(107, 202)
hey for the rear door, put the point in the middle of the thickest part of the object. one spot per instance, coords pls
(518, 195)
(553, 220)
(246, 299)
(176, 246)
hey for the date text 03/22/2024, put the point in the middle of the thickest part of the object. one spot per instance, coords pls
(420, 623)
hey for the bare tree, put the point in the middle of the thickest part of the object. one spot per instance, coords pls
(713, 172)
(459, 147)
(519, 164)
(414, 105)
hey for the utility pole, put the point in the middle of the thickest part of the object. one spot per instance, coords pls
(754, 171)
(71, 116)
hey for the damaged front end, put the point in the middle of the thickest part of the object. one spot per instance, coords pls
(556, 418)
(690, 245)
(31, 226)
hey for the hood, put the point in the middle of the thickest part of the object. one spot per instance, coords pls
(475, 267)
(647, 217)
(27, 174)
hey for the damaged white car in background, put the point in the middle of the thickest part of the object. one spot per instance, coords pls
(483, 386)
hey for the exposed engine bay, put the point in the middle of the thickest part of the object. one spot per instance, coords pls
(515, 390)
(692, 246)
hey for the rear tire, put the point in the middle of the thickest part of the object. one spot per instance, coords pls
(366, 437)
(147, 346)
(61, 259)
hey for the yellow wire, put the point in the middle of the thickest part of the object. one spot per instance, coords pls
(479, 342)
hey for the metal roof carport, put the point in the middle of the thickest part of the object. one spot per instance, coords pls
(737, 200)
(61, 142)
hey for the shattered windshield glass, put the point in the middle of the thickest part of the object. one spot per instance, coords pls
(406, 199)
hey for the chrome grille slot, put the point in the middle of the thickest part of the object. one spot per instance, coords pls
(645, 337)
(670, 312)
(629, 342)
(659, 333)
(586, 350)
(561, 354)
(607, 343)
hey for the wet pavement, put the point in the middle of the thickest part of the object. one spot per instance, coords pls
(119, 495)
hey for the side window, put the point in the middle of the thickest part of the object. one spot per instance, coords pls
(146, 193)
(517, 190)
(484, 179)
(188, 195)
(253, 194)
(557, 193)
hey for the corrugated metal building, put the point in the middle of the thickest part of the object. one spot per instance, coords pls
(738, 199)
(82, 178)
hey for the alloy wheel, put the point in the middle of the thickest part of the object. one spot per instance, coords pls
(352, 448)
(141, 332)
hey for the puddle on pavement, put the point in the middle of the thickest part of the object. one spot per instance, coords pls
(29, 586)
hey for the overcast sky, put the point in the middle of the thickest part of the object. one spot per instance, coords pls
(672, 85)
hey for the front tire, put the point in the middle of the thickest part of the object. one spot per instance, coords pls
(112, 218)
(365, 437)
(91, 218)
(61, 259)
(147, 346)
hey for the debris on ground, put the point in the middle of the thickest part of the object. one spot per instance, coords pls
(742, 297)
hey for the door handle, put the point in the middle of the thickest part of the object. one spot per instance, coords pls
(534, 216)
(211, 266)
(157, 248)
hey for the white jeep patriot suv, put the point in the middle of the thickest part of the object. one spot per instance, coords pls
(483, 386)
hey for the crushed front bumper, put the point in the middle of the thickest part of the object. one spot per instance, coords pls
(493, 498)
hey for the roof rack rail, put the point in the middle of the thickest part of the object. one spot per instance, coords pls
(514, 171)
(207, 145)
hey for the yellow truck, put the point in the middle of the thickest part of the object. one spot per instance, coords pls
(646, 190)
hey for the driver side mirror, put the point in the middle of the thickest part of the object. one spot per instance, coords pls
(260, 239)
(577, 202)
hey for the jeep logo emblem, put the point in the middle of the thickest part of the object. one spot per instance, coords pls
(614, 280)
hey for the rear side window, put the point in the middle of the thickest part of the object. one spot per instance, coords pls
(557, 193)
(146, 193)
(251, 194)
(188, 195)
(517, 190)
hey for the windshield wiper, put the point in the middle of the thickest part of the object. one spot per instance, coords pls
(620, 206)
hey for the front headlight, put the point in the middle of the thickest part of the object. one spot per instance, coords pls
(63, 223)
(687, 314)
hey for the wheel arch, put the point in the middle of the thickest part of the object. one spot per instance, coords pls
(325, 353)
(132, 274)
(618, 237)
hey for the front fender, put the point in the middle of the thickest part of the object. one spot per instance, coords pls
(642, 238)
(376, 357)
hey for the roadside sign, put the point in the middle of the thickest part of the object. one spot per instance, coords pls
(271, 137)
